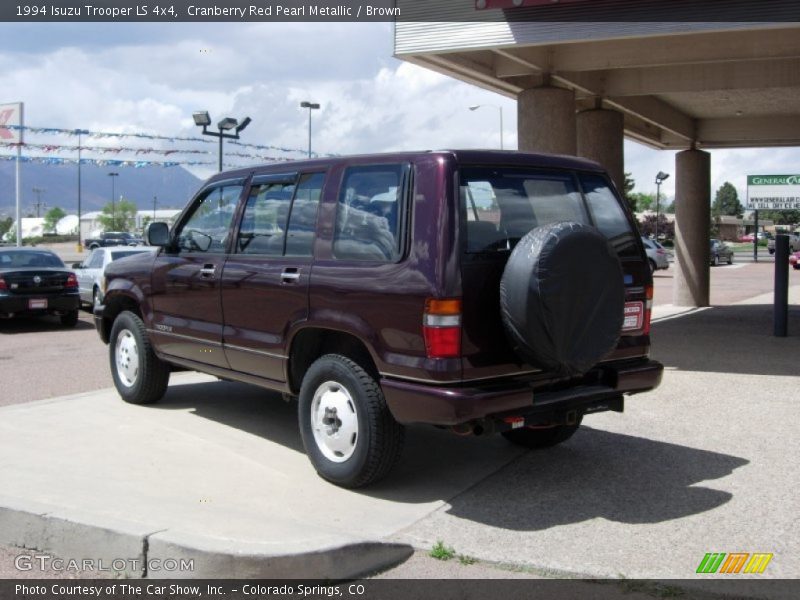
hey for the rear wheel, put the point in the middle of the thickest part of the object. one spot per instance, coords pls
(730, 258)
(716, 260)
(542, 438)
(652, 265)
(348, 432)
(139, 375)
(70, 319)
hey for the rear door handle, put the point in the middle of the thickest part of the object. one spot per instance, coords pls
(290, 275)
(208, 271)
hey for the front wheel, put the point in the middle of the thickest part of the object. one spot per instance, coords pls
(542, 438)
(139, 375)
(348, 432)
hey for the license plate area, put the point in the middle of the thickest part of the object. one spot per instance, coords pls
(37, 303)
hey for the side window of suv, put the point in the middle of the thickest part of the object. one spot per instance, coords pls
(207, 228)
(281, 218)
(367, 221)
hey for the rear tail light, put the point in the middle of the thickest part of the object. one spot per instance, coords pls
(441, 328)
(3, 285)
(648, 308)
(637, 313)
(72, 281)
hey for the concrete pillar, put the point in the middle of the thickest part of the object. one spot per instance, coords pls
(692, 224)
(546, 120)
(600, 138)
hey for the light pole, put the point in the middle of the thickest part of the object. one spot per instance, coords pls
(38, 191)
(499, 108)
(310, 106)
(79, 133)
(113, 205)
(660, 177)
(202, 119)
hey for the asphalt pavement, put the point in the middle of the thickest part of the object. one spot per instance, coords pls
(216, 474)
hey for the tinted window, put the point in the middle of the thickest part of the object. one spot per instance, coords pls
(367, 223)
(303, 217)
(503, 204)
(12, 259)
(207, 228)
(263, 228)
(123, 254)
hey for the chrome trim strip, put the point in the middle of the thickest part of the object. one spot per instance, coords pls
(185, 337)
(254, 351)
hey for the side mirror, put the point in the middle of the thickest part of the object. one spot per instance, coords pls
(157, 234)
(77, 265)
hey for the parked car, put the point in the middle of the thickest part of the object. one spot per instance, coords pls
(34, 282)
(794, 260)
(113, 238)
(90, 272)
(721, 251)
(378, 294)
(657, 255)
(794, 242)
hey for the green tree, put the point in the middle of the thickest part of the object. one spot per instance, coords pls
(52, 217)
(780, 217)
(644, 202)
(726, 202)
(5, 225)
(670, 208)
(119, 216)
(627, 189)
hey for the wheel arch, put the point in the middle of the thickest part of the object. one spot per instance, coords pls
(310, 343)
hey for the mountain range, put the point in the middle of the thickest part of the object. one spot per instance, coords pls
(58, 184)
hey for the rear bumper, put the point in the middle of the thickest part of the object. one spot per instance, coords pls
(413, 402)
(19, 306)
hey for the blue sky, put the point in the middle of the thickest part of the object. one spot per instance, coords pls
(151, 77)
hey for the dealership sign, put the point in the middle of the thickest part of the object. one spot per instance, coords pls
(773, 192)
(11, 123)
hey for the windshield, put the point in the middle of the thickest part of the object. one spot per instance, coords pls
(502, 204)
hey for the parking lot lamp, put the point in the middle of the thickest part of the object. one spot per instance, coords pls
(113, 204)
(499, 108)
(310, 106)
(660, 177)
(202, 119)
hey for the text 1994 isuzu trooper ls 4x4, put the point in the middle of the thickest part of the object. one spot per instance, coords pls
(482, 291)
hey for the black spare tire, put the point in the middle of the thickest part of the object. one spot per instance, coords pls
(562, 298)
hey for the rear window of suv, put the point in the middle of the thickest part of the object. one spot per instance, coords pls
(501, 204)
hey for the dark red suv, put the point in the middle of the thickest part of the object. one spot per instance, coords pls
(482, 291)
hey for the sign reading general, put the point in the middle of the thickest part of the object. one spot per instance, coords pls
(10, 123)
(773, 192)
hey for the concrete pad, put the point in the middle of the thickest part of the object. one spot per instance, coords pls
(216, 472)
(705, 463)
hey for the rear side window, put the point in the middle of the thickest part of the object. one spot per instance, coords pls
(280, 218)
(367, 215)
(501, 205)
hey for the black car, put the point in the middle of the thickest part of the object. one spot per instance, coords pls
(35, 282)
(720, 251)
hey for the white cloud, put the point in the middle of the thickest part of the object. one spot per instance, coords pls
(151, 77)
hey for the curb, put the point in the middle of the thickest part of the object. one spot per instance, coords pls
(133, 547)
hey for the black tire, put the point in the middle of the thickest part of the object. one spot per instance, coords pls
(652, 265)
(70, 319)
(562, 298)
(149, 382)
(716, 260)
(542, 438)
(370, 454)
(730, 258)
(771, 250)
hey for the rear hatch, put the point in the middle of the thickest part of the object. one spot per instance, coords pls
(498, 206)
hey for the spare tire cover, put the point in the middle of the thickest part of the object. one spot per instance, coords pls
(562, 298)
